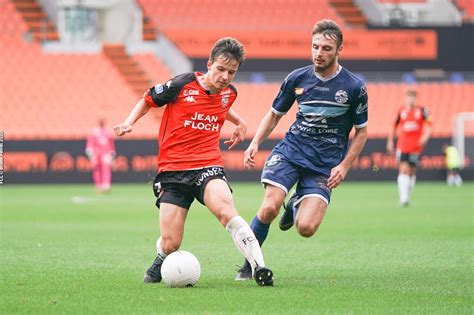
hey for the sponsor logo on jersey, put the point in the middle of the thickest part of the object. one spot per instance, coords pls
(299, 91)
(225, 92)
(362, 108)
(190, 99)
(190, 92)
(203, 122)
(341, 96)
(158, 88)
(321, 88)
(212, 172)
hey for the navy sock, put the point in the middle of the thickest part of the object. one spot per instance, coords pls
(260, 230)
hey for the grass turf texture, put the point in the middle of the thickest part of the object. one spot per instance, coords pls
(65, 249)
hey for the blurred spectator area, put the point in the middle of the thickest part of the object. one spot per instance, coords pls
(61, 96)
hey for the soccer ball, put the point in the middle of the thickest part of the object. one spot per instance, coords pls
(180, 269)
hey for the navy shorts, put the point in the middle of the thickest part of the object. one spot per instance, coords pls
(411, 158)
(180, 188)
(280, 172)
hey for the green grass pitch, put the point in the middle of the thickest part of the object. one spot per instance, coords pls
(65, 249)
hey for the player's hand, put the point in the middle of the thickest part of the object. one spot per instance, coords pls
(338, 174)
(250, 154)
(237, 137)
(423, 141)
(390, 147)
(122, 129)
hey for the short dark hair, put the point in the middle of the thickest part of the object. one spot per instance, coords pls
(229, 48)
(330, 29)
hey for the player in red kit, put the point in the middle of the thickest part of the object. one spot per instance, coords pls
(413, 124)
(190, 164)
(100, 149)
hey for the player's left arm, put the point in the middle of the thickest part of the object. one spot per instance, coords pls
(360, 105)
(427, 129)
(338, 173)
(240, 129)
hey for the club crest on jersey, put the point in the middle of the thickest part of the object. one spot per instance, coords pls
(225, 101)
(341, 96)
(299, 91)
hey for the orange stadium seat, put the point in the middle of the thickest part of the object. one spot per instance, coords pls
(59, 96)
(248, 20)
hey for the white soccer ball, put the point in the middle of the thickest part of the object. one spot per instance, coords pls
(180, 269)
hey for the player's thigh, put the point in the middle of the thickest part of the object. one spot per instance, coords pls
(310, 214)
(172, 220)
(404, 168)
(280, 172)
(218, 199)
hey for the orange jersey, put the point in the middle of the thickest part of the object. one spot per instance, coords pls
(410, 128)
(191, 123)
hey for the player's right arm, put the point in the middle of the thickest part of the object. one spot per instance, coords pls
(265, 128)
(391, 136)
(140, 109)
(157, 96)
(282, 103)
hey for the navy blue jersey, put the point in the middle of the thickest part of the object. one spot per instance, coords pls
(328, 108)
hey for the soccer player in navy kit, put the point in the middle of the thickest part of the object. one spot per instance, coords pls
(314, 154)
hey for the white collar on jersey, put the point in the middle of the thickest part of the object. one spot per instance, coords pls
(339, 68)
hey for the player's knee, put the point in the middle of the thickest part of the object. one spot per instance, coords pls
(268, 212)
(169, 245)
(307, 230)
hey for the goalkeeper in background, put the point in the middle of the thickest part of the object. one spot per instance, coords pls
(100, 149)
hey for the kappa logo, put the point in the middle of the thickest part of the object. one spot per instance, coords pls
(190, 99)
(341, 96)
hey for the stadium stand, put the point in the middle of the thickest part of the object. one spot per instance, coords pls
(350, 12)
(60, 96)
(39, 24)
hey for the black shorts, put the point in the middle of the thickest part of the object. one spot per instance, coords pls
(181, 187)
(412, 158)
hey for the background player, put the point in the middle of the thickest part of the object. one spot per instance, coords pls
(100, 149)
(453, 165)
(413, 124)
(313, 154)
(189, 160)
